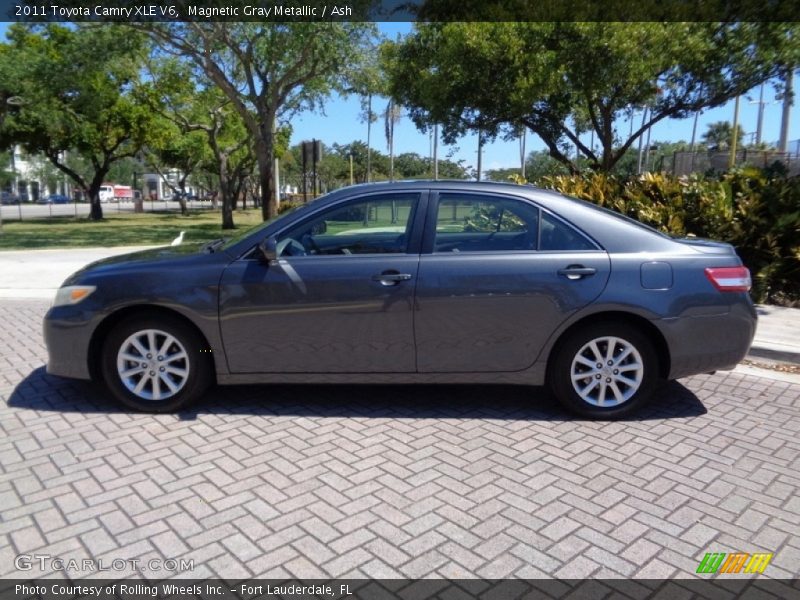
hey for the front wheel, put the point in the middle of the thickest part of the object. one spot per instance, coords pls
(155, 363)
(604, 371)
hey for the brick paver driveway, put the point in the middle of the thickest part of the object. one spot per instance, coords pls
(324, 481)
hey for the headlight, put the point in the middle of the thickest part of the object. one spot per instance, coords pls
(72, 294)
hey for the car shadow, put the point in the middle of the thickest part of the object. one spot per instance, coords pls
(43, 392)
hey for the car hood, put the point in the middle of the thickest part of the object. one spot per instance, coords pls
(163, 257)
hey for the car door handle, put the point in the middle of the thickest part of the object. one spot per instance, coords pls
(574, 272)
(391, 278)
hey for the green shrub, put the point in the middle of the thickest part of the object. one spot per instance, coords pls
(287, 206)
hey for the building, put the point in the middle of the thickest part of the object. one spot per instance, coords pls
(33, 177)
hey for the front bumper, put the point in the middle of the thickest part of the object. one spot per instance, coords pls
(67, 334)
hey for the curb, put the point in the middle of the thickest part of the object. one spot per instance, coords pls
(772, 354)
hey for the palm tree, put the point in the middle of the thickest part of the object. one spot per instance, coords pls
(719, 135)
(391, 116)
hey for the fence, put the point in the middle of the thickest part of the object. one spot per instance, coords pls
(684, 163)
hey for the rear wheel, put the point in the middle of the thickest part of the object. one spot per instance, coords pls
(605, 370)
(155, 364)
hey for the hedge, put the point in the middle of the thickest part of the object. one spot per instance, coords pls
(755, 210)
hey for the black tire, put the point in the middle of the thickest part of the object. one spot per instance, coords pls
(623, 399)
(187, 341)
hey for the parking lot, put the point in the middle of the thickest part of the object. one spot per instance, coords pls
(393, 482)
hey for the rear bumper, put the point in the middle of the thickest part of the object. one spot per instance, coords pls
(700, 344)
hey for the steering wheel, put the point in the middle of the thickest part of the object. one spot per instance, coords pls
(290, 247)
(308, 242)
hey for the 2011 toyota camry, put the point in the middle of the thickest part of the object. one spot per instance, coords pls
(412, 282)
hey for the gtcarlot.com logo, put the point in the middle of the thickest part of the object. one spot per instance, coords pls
(46, 562)
(734, 562)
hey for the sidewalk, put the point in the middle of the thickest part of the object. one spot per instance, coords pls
(38, 273)
(778, 334)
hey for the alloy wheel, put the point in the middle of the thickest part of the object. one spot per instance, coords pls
(153, 364)
(607, 371)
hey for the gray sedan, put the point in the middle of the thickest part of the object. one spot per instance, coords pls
(412, 282)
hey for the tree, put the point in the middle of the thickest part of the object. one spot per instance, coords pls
(268, 71)
(226, 149)
(368, 82)
(201, 130)
(183, 150)
(538, 164)
(333, 170)
(411, 165)
(719, 135)
(560, 77)
(391, 116)
(6, 176)
(76, 84)
(368, 164)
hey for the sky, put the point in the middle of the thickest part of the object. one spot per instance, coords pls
(339, 122)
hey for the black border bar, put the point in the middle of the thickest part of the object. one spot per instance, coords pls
(711, 587)
(401, 10)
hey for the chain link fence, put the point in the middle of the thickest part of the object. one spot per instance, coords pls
(684, 163)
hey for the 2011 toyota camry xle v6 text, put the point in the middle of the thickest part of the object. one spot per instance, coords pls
(412, 282)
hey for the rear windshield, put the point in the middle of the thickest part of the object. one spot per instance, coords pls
(618, 215)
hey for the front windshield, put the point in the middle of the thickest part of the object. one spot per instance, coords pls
(239, 235)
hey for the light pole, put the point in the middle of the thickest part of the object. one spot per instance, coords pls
(691, 147)
(641, 141)
(436, 152)
(350, 156)
(734, 136)
(480, 154)
(760, 122)
(788, 100)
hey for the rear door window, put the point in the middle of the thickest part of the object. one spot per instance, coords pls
(475, 223)
(558, 236)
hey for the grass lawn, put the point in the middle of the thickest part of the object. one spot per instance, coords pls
(131, 229)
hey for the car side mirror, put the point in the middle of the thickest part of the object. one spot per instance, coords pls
(268, 249)
(319, 228)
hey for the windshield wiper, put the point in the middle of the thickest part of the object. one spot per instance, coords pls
(212, 246)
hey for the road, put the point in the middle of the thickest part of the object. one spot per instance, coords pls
(31, 211)
(394, 482)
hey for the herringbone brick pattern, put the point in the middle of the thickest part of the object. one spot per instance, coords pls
(448, 481)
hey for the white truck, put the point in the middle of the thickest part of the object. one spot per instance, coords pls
(111, 192)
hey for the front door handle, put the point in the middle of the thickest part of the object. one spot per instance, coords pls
(574, 272)
(388, 278)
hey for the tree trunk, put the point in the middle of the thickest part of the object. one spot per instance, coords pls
(265, 153)
(227, 211)
(226, 190)
(182, 199)
(95, 208)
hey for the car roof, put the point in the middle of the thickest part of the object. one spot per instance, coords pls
(612, 231)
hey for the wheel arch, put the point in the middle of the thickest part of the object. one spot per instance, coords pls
(652, 332)
(112, 320)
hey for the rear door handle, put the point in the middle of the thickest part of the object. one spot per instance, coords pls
(574, 272)
(391, 278)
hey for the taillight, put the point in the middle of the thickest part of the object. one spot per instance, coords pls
(730, 279)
